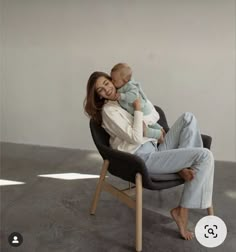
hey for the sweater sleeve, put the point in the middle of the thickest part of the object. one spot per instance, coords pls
(120, 126)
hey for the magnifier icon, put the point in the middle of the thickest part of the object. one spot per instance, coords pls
(210, 231)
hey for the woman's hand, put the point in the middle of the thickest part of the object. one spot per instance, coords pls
(161, 138)
(137, 104)
(163, 132)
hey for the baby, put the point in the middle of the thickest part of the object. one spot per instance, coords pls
(129, 90)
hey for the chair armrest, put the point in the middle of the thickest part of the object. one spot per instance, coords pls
(206, 141)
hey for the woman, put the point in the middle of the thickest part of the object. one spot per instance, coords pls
(180, 151)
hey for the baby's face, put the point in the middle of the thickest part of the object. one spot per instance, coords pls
(117, 79)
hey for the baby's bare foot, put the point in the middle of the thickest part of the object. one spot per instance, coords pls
(187, 174)
(181, 221)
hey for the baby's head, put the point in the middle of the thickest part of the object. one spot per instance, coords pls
(121, 73)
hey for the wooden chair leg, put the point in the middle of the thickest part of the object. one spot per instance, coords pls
(99, 186)
(130, 186)
(210, 210)
(139, 206)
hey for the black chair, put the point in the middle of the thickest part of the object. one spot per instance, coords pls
(131, 168)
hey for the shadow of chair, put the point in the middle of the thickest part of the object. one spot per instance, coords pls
(131, 168)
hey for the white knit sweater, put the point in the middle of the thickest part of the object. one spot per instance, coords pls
(125, 130)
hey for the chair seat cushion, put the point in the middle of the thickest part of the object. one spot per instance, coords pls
(164, 177)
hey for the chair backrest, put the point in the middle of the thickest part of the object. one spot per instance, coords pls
(162, 121)
(100, 138)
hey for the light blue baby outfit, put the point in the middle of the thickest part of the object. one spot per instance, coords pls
(128, 94)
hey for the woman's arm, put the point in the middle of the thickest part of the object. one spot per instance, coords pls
(119, 123)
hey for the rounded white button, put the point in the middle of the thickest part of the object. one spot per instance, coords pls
(210, 231)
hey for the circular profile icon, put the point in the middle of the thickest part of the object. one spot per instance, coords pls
(15, 239)
(210, 231)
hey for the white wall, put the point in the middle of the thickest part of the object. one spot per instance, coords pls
(183, 53)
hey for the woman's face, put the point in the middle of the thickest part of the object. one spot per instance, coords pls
(105, 88)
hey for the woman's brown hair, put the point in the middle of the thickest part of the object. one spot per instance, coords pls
(93, 103)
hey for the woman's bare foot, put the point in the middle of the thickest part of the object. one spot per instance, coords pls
(187, 174)
(180, 216)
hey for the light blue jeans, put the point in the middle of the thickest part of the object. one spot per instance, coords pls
(183, 148)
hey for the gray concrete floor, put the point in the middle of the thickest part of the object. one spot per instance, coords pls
(53, 214)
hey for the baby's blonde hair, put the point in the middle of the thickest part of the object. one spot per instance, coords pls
(124, 69)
